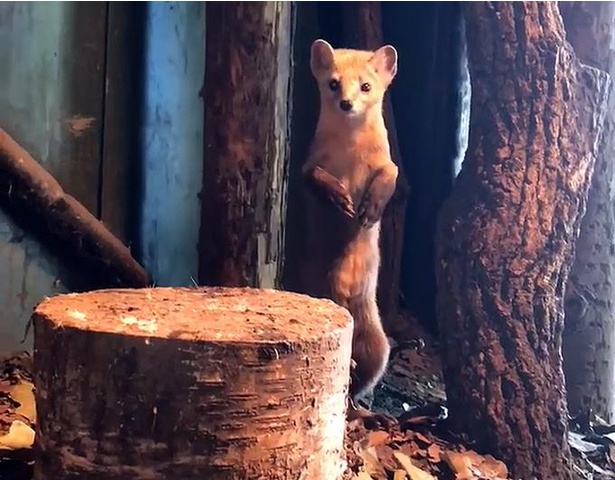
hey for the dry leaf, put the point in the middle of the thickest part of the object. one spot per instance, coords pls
(409, 449)
(372, 465)
(20, 436)
(491, 467)
(363, 476)
(434, 451)
(378, 437)
(460, 464)
(385, 455)
(413, 472)
(24, 394)
(420, 438)
(400, 475)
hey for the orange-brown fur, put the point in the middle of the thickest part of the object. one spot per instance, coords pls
(351, 178)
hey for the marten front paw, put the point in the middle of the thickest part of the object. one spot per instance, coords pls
(371, 209)
(343, 202)
(335, 191)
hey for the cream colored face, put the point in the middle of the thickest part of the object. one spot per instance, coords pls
(351, 82)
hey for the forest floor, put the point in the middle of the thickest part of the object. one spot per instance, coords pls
(421, 447)
(418, 447)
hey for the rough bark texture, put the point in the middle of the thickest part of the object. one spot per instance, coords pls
(589, 332)
(216, 384)
(363, 30)
(247, 82)
(507, 232)
(38, 202)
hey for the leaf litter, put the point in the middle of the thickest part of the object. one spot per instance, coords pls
(17, 416)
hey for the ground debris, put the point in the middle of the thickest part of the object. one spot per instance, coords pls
(17, 416)
(408, 454)
(592, 442)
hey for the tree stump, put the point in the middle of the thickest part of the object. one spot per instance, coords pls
(214, 383)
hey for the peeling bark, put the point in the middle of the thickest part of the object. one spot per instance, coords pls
(215, 384)
(247, 111)
(589, 332)
(506, 234)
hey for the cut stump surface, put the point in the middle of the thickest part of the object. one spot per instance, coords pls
(216, 383)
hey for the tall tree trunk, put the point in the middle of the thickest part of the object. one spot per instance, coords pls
(363, 30)
(589, 332)
(507, 232)
(247, 107)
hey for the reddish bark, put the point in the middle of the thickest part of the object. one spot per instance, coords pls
(507, 232)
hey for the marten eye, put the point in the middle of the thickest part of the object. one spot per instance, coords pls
(366, 87)
(334, 85)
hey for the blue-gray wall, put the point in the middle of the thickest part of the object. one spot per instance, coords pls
(51, 102)
(173, 140)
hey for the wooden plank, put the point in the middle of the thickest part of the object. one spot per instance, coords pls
(120, 180)
(51, 55)
(82, 57)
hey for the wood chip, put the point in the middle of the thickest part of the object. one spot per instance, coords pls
(414, 473)
(460, 464)
(434, 451)
(490, 467)
(400, 475)
(378, 437)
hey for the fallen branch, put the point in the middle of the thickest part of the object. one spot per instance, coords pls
(37, 202)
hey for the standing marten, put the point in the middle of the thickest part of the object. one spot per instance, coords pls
(352, 177)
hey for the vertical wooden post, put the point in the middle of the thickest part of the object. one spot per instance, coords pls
(247, 111)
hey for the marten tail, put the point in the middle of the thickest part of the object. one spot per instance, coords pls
(370, 349)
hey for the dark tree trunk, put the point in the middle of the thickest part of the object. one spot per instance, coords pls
(362, 24)
(175, 384)
(589, 331)
(247, 107)
(507, 232)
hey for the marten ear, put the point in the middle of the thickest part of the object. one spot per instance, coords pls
(384, 60)
(321, 56)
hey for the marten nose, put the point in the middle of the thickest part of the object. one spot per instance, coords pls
(346, 105)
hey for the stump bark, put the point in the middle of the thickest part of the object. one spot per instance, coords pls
(208, 383)
(506, 234)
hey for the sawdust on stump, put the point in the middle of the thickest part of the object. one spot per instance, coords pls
(215, 383)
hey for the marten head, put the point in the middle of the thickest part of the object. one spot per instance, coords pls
(352, 82)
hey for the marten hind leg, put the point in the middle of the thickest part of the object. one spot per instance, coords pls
(370, 354)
